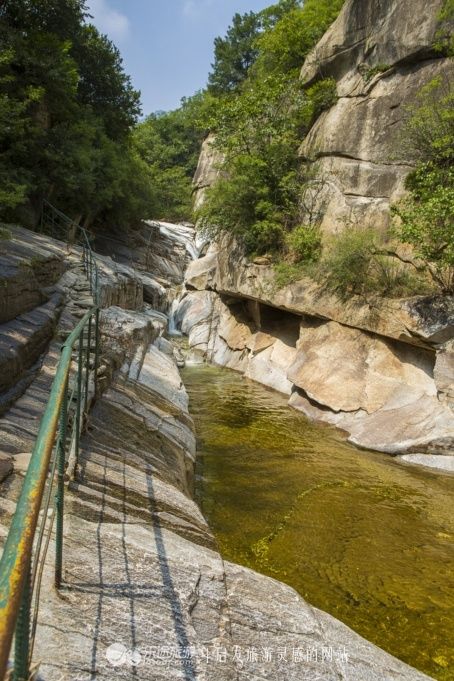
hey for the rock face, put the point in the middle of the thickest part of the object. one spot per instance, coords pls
(422, 321)
(157, 250)
(146, 591)
(354, 363)
(382, 374)
(29, 263)
(208, 170)
(381, 55)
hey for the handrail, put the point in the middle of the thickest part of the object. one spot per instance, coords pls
(20, 553)
(60, 226)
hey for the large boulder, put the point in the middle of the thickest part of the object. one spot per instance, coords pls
(347, 370)
(367, 33)
(424, 321)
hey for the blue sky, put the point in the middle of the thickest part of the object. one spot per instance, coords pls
(167, 45)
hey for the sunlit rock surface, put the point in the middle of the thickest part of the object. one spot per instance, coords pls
(147, 595)
(382, 373)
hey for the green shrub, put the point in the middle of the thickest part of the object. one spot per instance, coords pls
(426, 221)
(286, 273)
(374, 71)
(345, 267)
(359, 263)
(304, 243)
(323, 95)
(426, 214)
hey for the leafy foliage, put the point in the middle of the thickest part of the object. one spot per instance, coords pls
(169, 144)
(445, 37)
(304, 243)
(66, 113)
(297, 30)
(260, 127)
(234, 54)
(358, 262)
(426, 215)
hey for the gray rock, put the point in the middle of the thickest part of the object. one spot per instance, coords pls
(444, 463)
(208, 170)
(29, 263)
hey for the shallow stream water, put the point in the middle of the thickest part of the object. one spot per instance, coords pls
(358, 534)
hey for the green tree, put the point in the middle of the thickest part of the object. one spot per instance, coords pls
(234, 54)
(426, 215)
(67, 110)
(284, 47)
(103, 84)
(259, 129)
(169, 143)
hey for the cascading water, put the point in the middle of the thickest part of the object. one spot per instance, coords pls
(185, 236)
(172, 329)
(180, 234)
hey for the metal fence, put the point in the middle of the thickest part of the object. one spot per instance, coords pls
(41, 501)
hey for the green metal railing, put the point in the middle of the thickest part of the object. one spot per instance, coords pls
(41, 501)
(60, 226)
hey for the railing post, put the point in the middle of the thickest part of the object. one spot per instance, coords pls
(96, 350)
(96, 291)
(22, 635)
(60, 496)
(91, 272)
(79, 394)
(87, 366)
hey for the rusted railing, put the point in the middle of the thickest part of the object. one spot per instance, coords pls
(41, 500)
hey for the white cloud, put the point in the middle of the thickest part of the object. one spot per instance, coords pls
(109, 20)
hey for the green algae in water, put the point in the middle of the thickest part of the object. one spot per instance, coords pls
(358, 534)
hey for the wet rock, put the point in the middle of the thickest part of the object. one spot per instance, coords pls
(270, 367)
(444, 463)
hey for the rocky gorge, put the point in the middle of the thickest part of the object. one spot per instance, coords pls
(149, 590)
(146, 592)
(381, 369)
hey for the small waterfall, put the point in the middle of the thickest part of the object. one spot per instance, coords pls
(172, 328)
(182, 234)
(186, 236)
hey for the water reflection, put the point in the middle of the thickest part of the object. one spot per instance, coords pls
(358, 534)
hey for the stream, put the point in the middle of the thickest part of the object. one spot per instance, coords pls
(358, 534)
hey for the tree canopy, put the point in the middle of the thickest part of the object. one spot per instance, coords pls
(259, 125)
(67, 110)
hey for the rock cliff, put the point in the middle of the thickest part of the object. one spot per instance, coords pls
(380, 55)
(380, 369)
(382, 375)
(146, 592)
